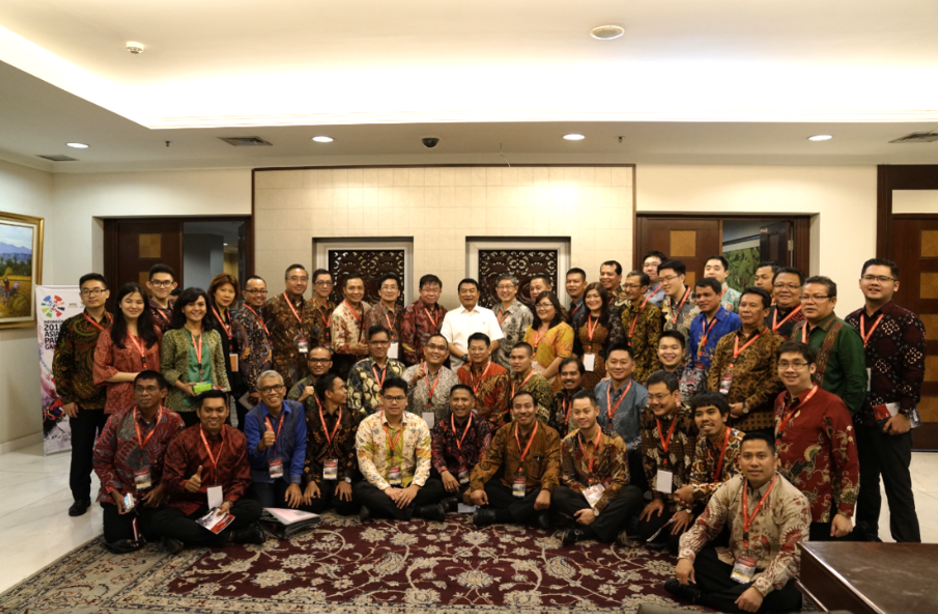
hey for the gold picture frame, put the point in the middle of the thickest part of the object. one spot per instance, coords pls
(21, 244)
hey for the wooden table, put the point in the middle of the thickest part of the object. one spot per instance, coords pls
(874, 578)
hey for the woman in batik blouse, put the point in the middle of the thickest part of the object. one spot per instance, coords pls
(591, 334)
(550, 336)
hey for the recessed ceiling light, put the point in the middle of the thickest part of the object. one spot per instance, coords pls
(323, 139)
(77, 145)
(607, 33)
(820, 137)
(574, 137)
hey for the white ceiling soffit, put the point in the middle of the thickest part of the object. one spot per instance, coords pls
(289, 63)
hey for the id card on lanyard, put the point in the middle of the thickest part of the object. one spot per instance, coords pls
(463, 472)
(330, 467)
(519, 484)
(215, 492)
(394, 463)
(275, 464)
(142, 478)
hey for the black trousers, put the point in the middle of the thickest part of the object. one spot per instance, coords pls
(501, 498)
(720, 592)
(888, 456)
(611, 520)
(383, 506)
(121, 526)
(329, 495)
(637, 470)
(173, 522)
(86, 427)
(821, 532)
(648, 527)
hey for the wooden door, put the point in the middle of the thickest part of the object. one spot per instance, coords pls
(690, 240)
(133, 246)
(774, 243)
(915, 240)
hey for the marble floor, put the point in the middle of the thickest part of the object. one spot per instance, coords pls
(36, 530)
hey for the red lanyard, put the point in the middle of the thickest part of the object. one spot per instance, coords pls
(430, 317)
(781, 427)
(737, 350)
(358, 318)
(227, 327)
(706, 333)
(748, 518)
(293, 309)
(503, 315)
(140, 348)
(393, 444)
(107, 317)
(208, 449)
(666, 443)
(538, 335)
(387, 319)
(452, 422)
(248, 307)
(198, 351)
(866, 338)
(776, 324)
(610, 410)
(476, 386)
(804, 333)
(677, 313)
(575, 309)
(162, 316)
(279, 425)
(431, 389)
(719, 471)
(591, 329)
(513, 393)
(384, 374)
(566, 405)
(141, 440)
(530, 441)
(599, 434)
(325, 429)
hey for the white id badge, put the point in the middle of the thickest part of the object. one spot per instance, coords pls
(330, 469)
(142, 479)
(215, 497)
(593, 494)
(869, 379)
(589, 362)
(302, 345)
(463, 474)
(276, 468)
(726, 382)
(519, 486)
(663, 483)
(429, 417)
(744, 569)
(392, 352)
(394, 475)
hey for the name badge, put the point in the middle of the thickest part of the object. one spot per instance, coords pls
(726, 382)
(302, 345)
(594, 493)
(663, 482)
(215, 497)
(394, 475)
(276, 468)
(463, 474)
(233, 360)
(589, 362)
(330, 469)
(429, 417)
(744, 569)
(519, 487)
(392, 352)
(142, 479)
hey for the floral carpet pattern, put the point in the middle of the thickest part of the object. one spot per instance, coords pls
(343, 567)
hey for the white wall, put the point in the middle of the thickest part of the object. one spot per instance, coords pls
(842, 200)
(27, 192)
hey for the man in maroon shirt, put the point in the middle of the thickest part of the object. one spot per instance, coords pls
(201, 460)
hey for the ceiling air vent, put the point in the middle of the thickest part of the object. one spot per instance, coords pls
(245, 141)
(917, 137)
(58, 158)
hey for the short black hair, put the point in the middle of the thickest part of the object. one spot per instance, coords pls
(92, 277)
(461, 386)
(257, 277)
(796, 346)
(545, 277)
(791, 271)
(388, 276)
(827, 281)
(620, 347)
(707, 398)
(523, 346)
(214, 393)
(479, 337)
(674, 334)
(319, 272)
(576, 271)
(613, 263)
(723, 261)
(394, 382)
(881, 262)
(286, 273)
(663, 377)
(761, 293)
(643, 277)
(585, 394)
(428, 279)
(675, 265)
(709, 282)
(324, 384)
(378, 328)
(656, 254)
(570, 360)
(150, 374)
(522, 393)
(352, 276)
(760, 436)
(161, 268)
(467, 280)
(769, 263)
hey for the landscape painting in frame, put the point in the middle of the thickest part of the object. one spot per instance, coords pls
(20, 268)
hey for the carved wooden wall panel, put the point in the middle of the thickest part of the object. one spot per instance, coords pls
(522, 263)
(371, 264)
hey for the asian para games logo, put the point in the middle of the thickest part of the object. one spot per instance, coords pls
(53, 306)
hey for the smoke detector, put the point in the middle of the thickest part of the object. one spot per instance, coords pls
(134, 47)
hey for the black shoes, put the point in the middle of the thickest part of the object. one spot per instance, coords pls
(572, 536)
(483, 517)
(364, 514)
(542, 520)
(171, 545)
(431, 512)
(451, 504)
(124, 546)
(687, 592)
(248, 535)
(79, 507)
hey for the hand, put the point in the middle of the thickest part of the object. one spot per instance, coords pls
(750, 601)
(308, 391)
(450, 483)
(187, 388)
(154, 497)
(479, 497)
(685, 572)
(467, 497)
(195, 482)
(393, 493)
(682, 522)
(840, 526)
(294, 496)
(225, 507)
(71, 410)
(656, 505)
(736, 409)
(685, 494)
(118, 501)
(311, 492)
(543, 500)
(585, 516)
(897, 425)
(345, 491)
(267, 440)
(419, 373)
(407, 495)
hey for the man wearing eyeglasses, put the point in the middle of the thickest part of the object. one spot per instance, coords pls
(786, 312)
(368, 376)
(841, 364)
(638, 323)
(276, 435)
(388, 313)
(429, 382)
(304, 391)
(513, 316)
(293, 326)
(895, 345)
(323, 284)
(680, 308)
(253, 339)
(161, 283)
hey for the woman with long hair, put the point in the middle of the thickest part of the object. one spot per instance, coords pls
(591, 340)
(131, 345)
(191, 356)
(223, 292)
(550, 336)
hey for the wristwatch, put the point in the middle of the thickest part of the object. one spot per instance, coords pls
(745, 407)
(348, 480)
(465, 357)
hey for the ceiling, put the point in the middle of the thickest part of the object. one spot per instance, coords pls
(691, 81)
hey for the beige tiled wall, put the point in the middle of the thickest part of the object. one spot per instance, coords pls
(438, 207)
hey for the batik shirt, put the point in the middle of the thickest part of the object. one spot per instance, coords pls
(541, 465)
(895, 355)
(419, 400)
(677, 459)
(648, 323)
(783, 321)
(364, 383)
(319, 448)
(73, 362)
(774, 534)
(514, 322)
(626, 410)
(117, 453)
(817, 452)
(347, 329)
(256, 351)
(109, 360)
(678, 316)
(418, 324)
(703, 337)
(492, 387)
(179, 361)
(704, 479)
(162, 316)
(451, 450)
(539, 389)
(379, 315)
(845, 374)
(730, 298)
(561, 412)
(655, 295)
(285, 329)
(610, 465)
(412, 449)
(323, 314)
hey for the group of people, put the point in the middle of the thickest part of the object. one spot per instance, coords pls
(724, 425)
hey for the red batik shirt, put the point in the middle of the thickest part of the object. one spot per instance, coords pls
(446, 452)
(418, 324)
(492, 387)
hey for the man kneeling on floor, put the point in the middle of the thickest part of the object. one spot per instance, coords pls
(596, 491)
(768, 517)
(528, 453)
(206, 469)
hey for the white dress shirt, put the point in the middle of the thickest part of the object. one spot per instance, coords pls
(460, 323)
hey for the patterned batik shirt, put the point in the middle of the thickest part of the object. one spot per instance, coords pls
(625, 406)
(539, 389)
(703, 337)
(364, 383)
(817, 451)
(492, 387)
(655, 295)
(895, 354)
(162, 316)
(754, 375)
(679, 455)
(323, 313)
(640, 327)
(256, 351)
(541, 465)
(379, 315)
(730, 298)
(707, 473)
(419, 399)
(117, 452)
(348, 329)
(679, 316)
(418, 324)
(285, 328)
(412, 449)
(73, 362)
(341, 448)
(774, 534)
(841, 368)
(561, 411)
(459, 448)
(783, 321)
(610, 465)
(514, 322)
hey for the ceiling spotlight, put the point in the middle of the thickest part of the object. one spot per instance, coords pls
(323, 139)
(607, 33)
(134, 47)
(820, 137)
(574, 137)
(77, 145)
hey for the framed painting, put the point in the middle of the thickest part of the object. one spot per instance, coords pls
(20, 268)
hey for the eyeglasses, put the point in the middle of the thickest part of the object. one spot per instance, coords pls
(542, 306)
(162, 284)
(323, 283)
(658, 397)
(632, 286)
(93, 292)
(796, 365)
(813, 299)
(438, 348)
(274, 388)
(880, 278)
(395, 399)
(668, 279)
(255, 291)
(789, 286)
(295, 279)
(389, 287)
(504, 286)
(147, 389)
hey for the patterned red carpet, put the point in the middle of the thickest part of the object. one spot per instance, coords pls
(344, 567)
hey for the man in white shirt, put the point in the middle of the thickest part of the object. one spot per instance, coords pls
(466, 320)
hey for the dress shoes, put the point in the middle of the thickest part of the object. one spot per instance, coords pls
(687, 592)
(172, 545)
(248, 535)
(542, 520)
(431, 512)
(451, 504)
(79, 507)
(483, 517)
(364, 514)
